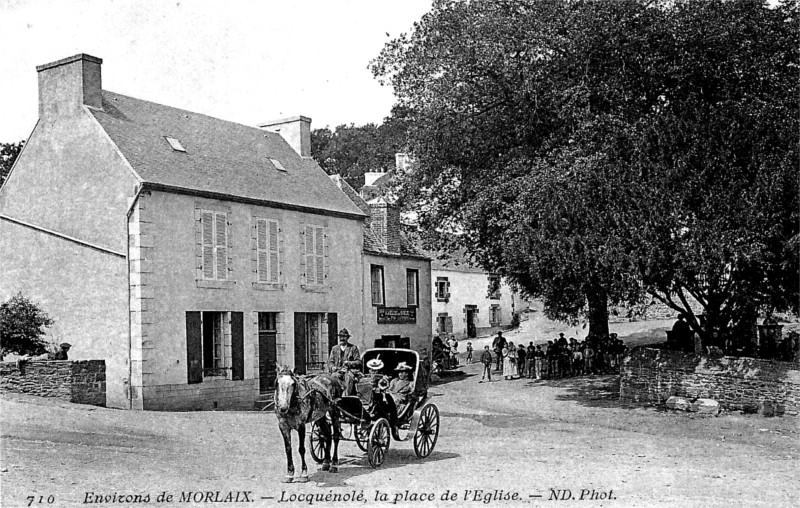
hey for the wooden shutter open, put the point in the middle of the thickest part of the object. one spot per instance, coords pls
(194, 348)
(299, 343)
(237, 345)
(449, 324)
(310, 265)
(333, 332)
(261, 247)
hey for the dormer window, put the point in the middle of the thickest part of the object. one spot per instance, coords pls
(277, 164)
(175, 144)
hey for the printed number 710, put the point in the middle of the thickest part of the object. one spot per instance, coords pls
(42, 499)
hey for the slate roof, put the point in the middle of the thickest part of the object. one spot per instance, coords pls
(221, 157)
(373, 244)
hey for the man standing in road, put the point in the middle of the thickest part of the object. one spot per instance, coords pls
(345, 362)
(498, 344)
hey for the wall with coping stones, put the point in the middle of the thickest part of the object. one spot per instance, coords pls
(651, 376)
(82, 382)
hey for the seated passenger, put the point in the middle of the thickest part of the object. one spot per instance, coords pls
(401, 387)
(375, 365)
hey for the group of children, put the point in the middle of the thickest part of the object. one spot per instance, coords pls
(554, 360)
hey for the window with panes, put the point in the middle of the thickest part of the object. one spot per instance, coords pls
(412, 288)
(376, 278)
(315, 255)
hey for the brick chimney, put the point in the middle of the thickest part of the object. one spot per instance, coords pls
(67, 84)
(385, 222)
(295, 130)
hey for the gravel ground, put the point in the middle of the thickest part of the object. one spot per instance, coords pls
(503, 443)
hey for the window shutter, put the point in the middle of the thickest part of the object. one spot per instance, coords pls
(447, 290)
(310, 265)
(299, 343)
(273, 251)
(237, 345)
(303, 254)
(221, 240)
(333, 333)
(319, 255)
(208, 245)
(449, 324)
(194, 348)
(262, 250)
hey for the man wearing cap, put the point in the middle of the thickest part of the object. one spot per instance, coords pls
(344, 361)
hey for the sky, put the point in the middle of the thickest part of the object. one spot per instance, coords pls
(247, 61)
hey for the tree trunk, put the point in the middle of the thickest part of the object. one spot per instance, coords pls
(598, 312)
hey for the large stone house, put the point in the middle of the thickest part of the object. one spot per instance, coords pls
(190, 253)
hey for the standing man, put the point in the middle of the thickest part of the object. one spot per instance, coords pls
(345, 362)
(486, 360)
(498, 344)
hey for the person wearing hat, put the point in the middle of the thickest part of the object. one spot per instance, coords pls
(400, 388)
(61, 354)
(344, 361)
(375, 365)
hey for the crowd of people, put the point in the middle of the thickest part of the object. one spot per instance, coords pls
(556, 359)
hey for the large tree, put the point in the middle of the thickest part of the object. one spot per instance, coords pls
(8, 154)
(352, 150)
(536, 129)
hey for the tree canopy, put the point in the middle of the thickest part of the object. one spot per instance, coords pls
(22, 324)
(351, 150)
(8, 154)
(599, 152)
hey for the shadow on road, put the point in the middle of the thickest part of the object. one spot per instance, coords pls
(352, 465)
(590, 391)
(503, 421)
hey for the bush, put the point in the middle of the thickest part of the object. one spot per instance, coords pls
(22, 324)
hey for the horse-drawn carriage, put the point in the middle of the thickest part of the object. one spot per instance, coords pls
(373, 418)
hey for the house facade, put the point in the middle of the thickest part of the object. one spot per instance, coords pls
(396, 305)
(467, 302)
(191, 253)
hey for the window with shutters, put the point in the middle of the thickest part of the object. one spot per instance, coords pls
(267, 251)
(213, 344)
(442, 289)
(412, 288)
(314, 240)
(376, 279)
(494, 315)
(215, 245)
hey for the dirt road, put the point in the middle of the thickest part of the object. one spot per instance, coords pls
(502, 444)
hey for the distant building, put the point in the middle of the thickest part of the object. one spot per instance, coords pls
(468, 302)
(190, 253)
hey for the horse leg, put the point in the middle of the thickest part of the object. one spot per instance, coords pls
(287, 444)
(325, 430)
(301, 432)
(337, 431)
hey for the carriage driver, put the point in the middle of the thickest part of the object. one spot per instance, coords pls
(345, 362)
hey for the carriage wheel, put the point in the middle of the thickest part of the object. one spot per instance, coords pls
(378, 443)
(427, 431)
(362, 435)
(317, 442)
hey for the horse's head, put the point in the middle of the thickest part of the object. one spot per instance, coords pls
(286, 392)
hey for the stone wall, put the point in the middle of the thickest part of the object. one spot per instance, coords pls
(651, 376)
(82, 382)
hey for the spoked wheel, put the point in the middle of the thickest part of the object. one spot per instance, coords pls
(378, 443)
(427, 431)
(317, 443)
(362, 435)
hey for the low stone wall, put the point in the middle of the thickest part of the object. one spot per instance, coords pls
(651, 376)
(221, 394)
(82, 382)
